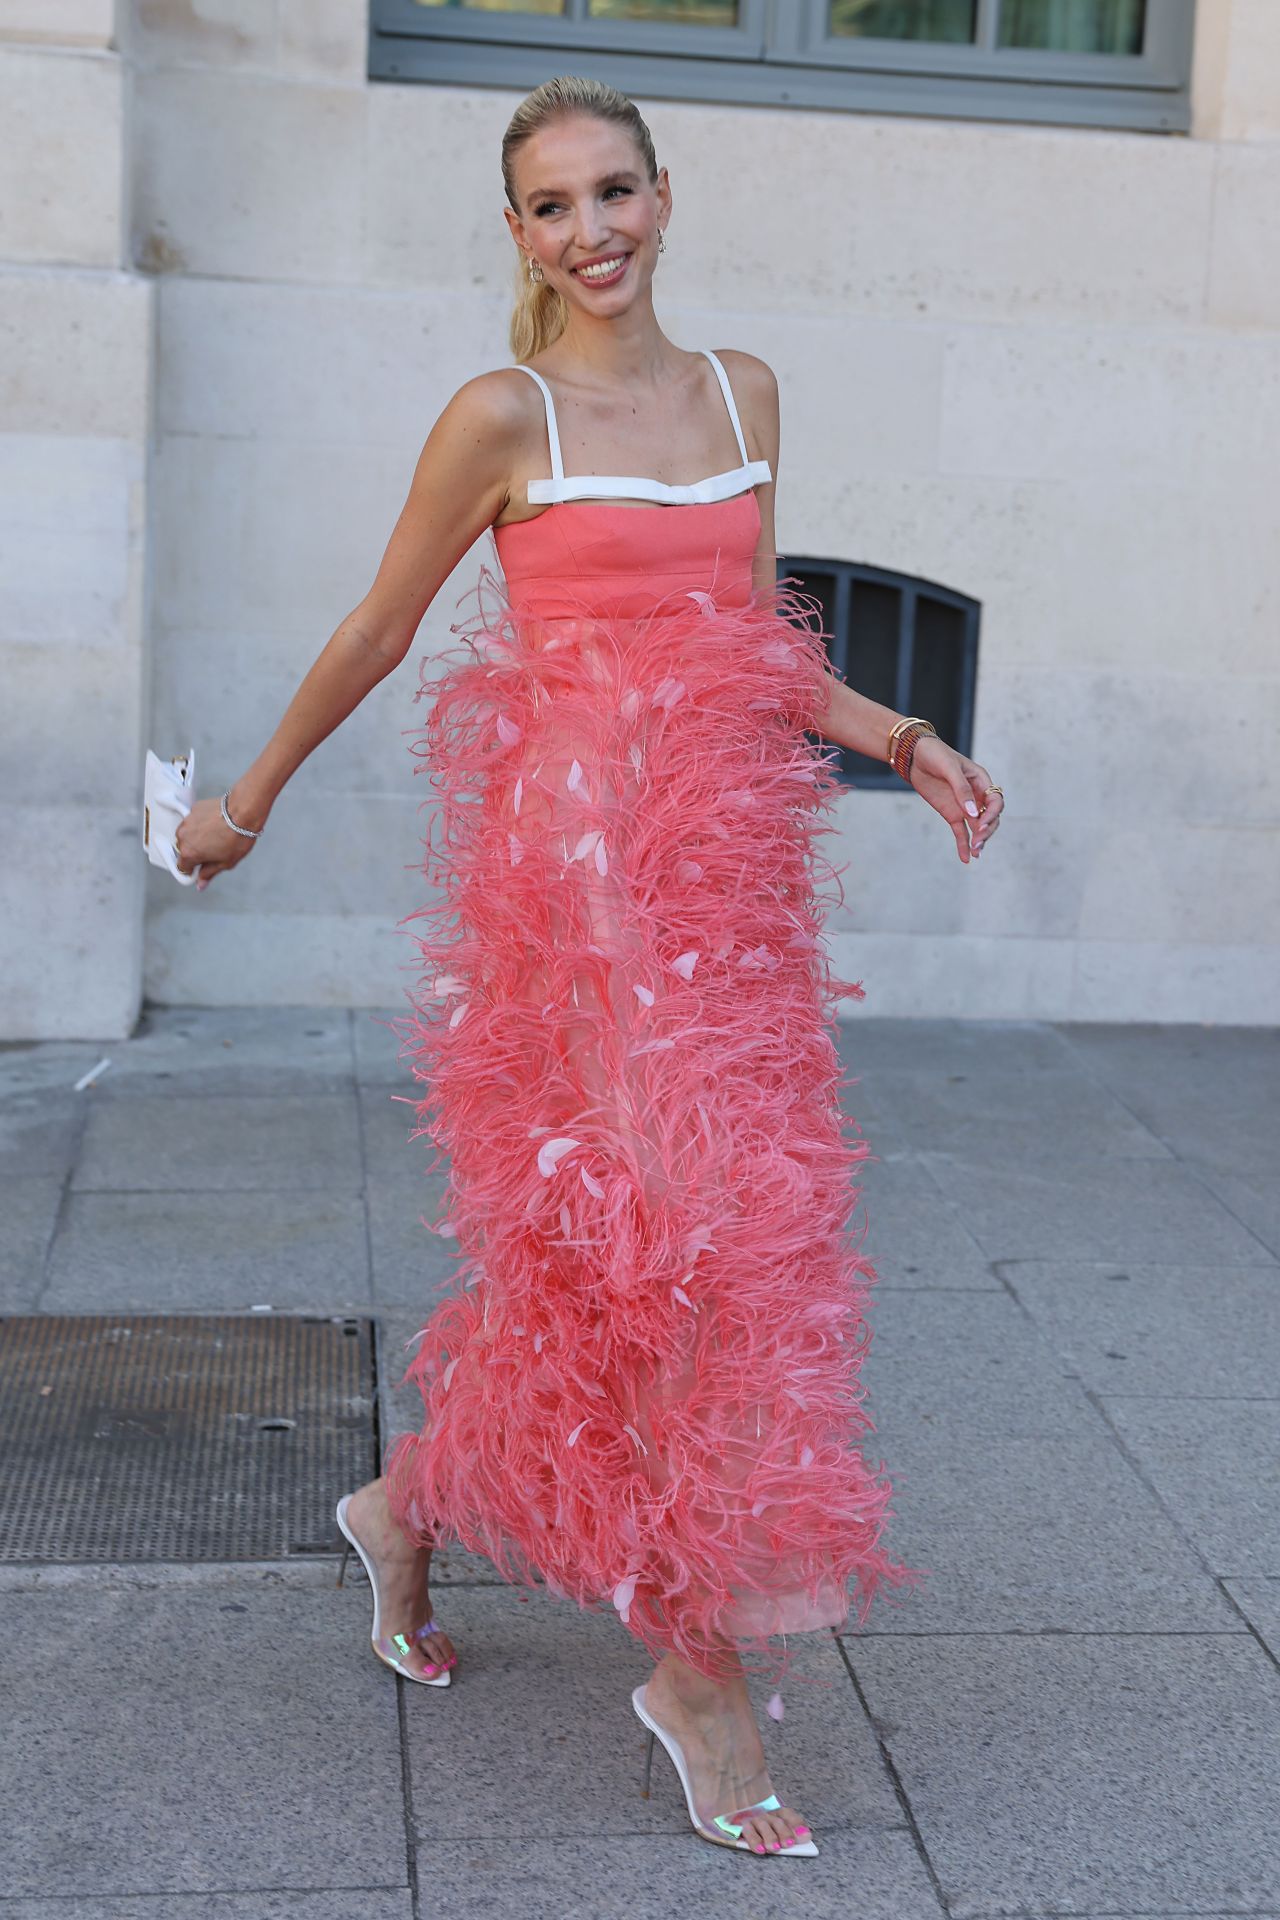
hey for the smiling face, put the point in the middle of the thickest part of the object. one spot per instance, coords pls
(589, 214)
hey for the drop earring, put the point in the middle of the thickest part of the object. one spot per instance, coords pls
(534, 269)
(662, 241)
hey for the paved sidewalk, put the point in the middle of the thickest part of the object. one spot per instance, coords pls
(1075, 1377)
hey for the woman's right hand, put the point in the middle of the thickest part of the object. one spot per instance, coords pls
(204, 840)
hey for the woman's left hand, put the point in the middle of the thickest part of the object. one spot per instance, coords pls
(956, 787)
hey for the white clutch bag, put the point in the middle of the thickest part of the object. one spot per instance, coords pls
(168, 790)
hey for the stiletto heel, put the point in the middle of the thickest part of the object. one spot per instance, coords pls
(726, 1834)
(346, 1555)
(383, 1645)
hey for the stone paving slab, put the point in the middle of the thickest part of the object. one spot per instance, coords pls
(1189, 1331)
(388, 1118)
(914, 1235)
(376, 1048)
(1216, 1138)
(48, 1066)
(1035, 1538)
(207, 1252)
(576, 1767)
(1216, 1465)
(223, 1143)
(1259, 1600)
(1053, 1771)
(1009, 1487)
(868, 1042)
(1253, 1197)
(1174, 1075)
(871, 1101)
(874, 1875)
(1016, 1115)
(349, 1903)
(28, 1211)
(412, 1267)
(311, 1573)
(200, 1739)
(974, 1352)
(228, 1050)
(1012, 1568)
(1210, 1093)
(1085, 1773)
(1060, 1209)
(40, 1133)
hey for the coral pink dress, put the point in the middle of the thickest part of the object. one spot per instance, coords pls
(645, 1392)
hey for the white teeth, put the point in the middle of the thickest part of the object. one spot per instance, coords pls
(602, 270)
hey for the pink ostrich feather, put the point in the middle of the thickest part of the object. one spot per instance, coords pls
(646, 1392)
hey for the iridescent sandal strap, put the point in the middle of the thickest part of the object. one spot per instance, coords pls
(771, 1805)
(401, 1644)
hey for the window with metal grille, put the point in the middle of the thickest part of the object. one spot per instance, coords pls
(1110, 63)
(908, 643)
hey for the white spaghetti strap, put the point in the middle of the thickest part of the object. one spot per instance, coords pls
(614, 486)
(727, 391)
(553, 432)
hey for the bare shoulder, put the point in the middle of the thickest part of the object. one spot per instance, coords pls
(484, 437)
(502, 401)
(755, 388)
(751, 376)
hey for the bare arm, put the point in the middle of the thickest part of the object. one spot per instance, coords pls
(459, 488)
(849, 718)
(955, 786)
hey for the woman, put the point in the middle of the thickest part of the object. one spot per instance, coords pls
(644, 1393)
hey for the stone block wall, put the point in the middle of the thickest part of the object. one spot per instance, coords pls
(77, 351)
(1038, 364)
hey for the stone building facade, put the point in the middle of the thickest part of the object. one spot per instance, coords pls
(1039, 364)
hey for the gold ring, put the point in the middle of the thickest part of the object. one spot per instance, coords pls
(987, 790)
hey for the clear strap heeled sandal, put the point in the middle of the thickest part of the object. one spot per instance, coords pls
(723, 1832)
(392, 1649)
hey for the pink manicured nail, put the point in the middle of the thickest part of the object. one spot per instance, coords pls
(759, 1849)
(802, 1830)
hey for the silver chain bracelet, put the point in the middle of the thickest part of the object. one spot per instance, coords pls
(247, 832)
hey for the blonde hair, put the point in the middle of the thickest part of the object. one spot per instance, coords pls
(540, 314)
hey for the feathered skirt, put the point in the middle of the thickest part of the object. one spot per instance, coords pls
(645, 1391)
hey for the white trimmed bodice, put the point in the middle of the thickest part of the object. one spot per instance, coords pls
(632, 486)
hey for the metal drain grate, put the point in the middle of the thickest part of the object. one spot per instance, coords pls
(175, 1437)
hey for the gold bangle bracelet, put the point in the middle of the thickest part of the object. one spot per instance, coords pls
(913, 720)
(894, 731)
(905, 748)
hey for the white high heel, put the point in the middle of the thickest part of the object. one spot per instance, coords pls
(725, 1833)
(387, 1647)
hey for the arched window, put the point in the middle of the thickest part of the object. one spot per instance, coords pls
(909, 643)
